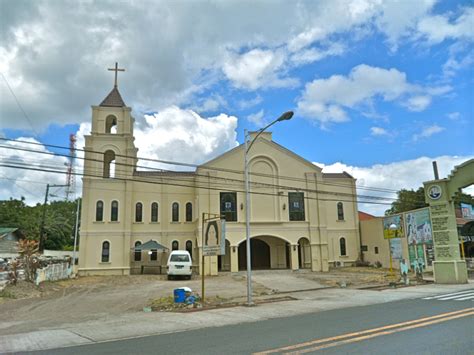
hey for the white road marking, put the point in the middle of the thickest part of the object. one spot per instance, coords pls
(448, 294)
(458, 296)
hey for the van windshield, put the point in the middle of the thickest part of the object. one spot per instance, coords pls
(179, 257)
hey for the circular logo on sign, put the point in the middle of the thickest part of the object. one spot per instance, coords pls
(434, 192)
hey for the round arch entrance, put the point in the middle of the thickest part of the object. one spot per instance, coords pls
(267, 253)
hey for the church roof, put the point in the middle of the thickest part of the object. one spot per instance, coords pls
(113, 99)
(151, 244)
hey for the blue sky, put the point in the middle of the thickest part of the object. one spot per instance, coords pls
(371, 83)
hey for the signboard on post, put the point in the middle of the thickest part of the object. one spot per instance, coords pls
(213, 239)
(389, 233)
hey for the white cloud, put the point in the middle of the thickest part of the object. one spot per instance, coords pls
(246, 104)
(51, 51)
(398, 19)
(407, 174)
(311, 55)
(256, 118)
(17, 182)
(257, 68)
(183, 136)
(454, 116)
(378, 131)
(439, 27)
(418, 103)
(326, 100)
(427, 132)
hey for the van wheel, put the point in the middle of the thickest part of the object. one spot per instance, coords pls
(170, 277)
(189, 277)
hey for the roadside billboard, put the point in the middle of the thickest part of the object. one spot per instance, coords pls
(466, 210)
(418, 227)
(213, 241)
(396, 233)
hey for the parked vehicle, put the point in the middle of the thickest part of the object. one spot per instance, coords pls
(179, 264)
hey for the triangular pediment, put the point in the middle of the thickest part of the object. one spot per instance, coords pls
(272, 145)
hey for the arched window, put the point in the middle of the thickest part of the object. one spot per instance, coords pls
(111, 124)
(175, 212)
(138, 212)
(154, 212)
(109, 164)
(99, 211)
(138, 251)
(189, 247)
(189, 212)
(340, 211)
(105, 252)
(175, 245)
(114, 211)
(342, 246)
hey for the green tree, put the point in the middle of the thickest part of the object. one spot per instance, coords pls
(407, 200)
(59, 221)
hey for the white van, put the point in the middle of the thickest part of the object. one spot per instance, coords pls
(179, 264)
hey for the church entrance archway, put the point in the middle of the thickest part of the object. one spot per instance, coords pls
(304, 253)
(267, 252)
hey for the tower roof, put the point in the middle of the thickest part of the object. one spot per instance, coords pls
(113, 99)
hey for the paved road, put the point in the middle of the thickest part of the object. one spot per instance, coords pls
(429, 325)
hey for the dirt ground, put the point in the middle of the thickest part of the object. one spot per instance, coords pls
(26, 307)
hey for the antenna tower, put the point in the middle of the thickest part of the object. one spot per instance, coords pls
(71, 177)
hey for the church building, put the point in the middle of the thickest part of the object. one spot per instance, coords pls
(132, 217)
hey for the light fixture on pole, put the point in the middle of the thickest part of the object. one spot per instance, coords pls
(284, 117)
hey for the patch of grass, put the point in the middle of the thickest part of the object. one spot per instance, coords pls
(7, 294)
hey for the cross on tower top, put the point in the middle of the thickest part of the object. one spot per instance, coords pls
(116, 70)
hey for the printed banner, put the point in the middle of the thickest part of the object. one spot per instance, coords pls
(418, 227)
(213, 242)
(396, 248)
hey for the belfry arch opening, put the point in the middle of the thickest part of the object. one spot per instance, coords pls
(267, 252)
(111, 124)
(109, 164)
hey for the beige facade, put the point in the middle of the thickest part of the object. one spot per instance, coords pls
(322, 230)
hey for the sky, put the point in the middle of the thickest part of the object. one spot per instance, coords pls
(380, 89)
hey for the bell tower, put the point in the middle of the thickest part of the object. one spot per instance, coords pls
(110, 151)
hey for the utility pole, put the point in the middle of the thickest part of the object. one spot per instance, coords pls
(41, 241)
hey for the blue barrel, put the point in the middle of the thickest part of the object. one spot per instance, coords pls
(179, 295)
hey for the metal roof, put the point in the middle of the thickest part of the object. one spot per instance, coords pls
(151, 244)
(113, 99)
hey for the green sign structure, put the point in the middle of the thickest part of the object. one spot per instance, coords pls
(448, 266)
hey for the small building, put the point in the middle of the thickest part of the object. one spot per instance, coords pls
(9, 237)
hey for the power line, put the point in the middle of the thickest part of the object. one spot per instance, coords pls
(19, 105)
(225, 181)
(30, 167)
(240, 172)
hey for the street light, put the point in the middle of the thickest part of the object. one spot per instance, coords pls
(284, 117)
